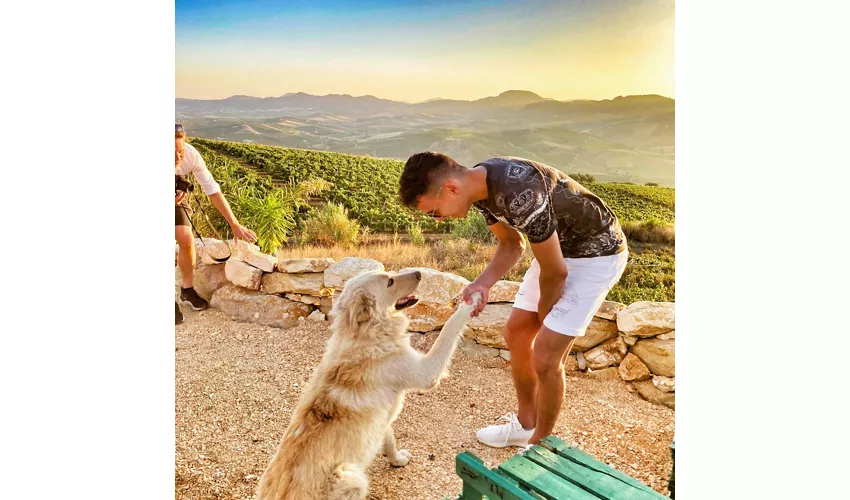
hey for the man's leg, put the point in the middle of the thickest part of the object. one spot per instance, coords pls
(185, 253)
(550, 351)
(520, 330)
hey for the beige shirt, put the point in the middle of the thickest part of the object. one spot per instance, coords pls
(193, 163)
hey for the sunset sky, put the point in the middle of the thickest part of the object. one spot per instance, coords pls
(417, 50)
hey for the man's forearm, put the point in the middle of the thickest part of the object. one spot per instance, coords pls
(223, 207)
(506, 257)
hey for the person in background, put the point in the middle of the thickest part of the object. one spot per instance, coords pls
(187, 161)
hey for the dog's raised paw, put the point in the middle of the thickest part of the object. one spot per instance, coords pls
(401, 459)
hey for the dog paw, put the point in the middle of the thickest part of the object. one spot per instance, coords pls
(401, 459)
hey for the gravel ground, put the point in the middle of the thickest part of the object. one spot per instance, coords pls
(236, 384)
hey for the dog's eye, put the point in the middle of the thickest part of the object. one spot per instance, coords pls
(390, 283)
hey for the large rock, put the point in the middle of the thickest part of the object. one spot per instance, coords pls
(609, 353)
(242, 274)
(251, 254)
(259, 307)
(305, 283)
(209, 278)
(503, 291)
(653, 394)
(349, 267)
(428, 316)
(598, 331)
(438, 287)
(436, 292)
(647, 319)
(206, 280)
(658, 355)
(489, 327)
(210, 247)
(303, 265)
(632, 368)
(609, 310)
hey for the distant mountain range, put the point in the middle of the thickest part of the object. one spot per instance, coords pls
(628, 138)
(516, 101)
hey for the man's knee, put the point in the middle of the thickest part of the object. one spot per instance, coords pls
(520, 330)
(547, 364)
(183, 236)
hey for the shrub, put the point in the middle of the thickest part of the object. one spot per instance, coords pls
(330, 225)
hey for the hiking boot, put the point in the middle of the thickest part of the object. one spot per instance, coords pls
(191, 298)
(510, 433)
(178, 315)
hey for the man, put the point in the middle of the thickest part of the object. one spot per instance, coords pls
(579, 250)
(187, 160)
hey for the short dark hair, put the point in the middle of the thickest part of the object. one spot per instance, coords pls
(420, 172)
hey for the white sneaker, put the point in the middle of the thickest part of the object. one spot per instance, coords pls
(510, 433)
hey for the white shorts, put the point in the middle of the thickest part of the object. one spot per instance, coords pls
(588, 283)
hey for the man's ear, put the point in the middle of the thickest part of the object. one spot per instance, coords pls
(452, 186)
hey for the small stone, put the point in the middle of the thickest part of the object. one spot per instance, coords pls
(608, 310)
(632, 368)
(666, 384)
(505, 354)
(582, 363)
(316, 316)
(667, 336)
(469, 346)
(609, 353)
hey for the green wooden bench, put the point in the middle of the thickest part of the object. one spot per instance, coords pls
(551, 470)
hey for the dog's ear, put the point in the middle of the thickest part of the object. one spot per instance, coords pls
(362, 307)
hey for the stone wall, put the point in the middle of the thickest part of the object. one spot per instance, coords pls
(635, 343)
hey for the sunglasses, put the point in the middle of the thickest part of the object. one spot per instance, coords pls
(178, 129)
(435, 213)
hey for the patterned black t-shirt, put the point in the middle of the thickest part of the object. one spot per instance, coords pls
(538, 200)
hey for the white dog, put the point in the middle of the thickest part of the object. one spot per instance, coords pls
(346, 413)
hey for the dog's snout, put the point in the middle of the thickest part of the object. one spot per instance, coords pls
(418, 275)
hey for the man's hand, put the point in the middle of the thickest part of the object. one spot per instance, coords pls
(472, 288)
(241, 232)
(179, 197)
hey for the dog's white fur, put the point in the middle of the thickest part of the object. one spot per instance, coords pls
(346, 413)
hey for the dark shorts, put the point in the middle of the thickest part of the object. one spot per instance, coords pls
(180, 218)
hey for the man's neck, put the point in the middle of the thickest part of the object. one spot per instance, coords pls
(476, 179)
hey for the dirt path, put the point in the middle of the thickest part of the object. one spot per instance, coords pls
(236, 384)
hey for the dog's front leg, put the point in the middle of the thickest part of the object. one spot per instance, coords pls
(432, 367)
(396, 458)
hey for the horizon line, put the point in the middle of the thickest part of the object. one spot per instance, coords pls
(417, 102)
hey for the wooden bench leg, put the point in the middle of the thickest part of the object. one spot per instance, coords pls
(470, 493)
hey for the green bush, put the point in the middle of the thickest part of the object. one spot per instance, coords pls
(415, 232)
(473, 227)
(330, 225)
